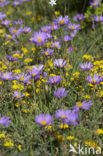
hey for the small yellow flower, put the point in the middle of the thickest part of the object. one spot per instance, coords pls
(2, 135)
(99, 131)
(8, 143)
(1, 82)
(19, 147)
(64, 126)
(70, 137)
(57, 13)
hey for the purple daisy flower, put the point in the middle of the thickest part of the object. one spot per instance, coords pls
(11, 59)
(54, 26)
(15, 32)
(95, 79)
(44, 119)
(98, 19)
(69, 50)
(36, 71)
(83, 105)
(25, 78)
(26, 30)
(56, 44)
(46, 28)
(72, 118)
(7, 76)
(5, 121)
(63, 20)
(39, 38)
(60, 63)
(5, 23)
(67, 38)
(16, 3)
(86, 66)
(2, 16)
(54, 80)
(18, 22)
(73, 27)
(48, 52)
(17, 94)
(62, 114)
(3, 3)
(79, 17)
(95, 3)
(60, 93)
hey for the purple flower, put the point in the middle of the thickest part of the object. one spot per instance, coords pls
(95, 3)
(17, 94)
(3, 3)
(2, 16)
(39, 38)
(86, 66)
(95, 79)
(16, 3)
(98, 19)
(6, 76)
(83, 105)
(60, 63)
(67, 38)
(60, 93)
(14, 31)
(63, 20)
(5, 23)
(26, 30)
(36, 70)
(48, 52)
(19, 22)
(54, 26)
(69, 50)
(25, 78)
(5, 121)
(54, 80)
(12, 59)
(46, 28)
(79, 17)
(44, 119)
(56, 44)
(72, 118)
(62, 114)
(72, 27)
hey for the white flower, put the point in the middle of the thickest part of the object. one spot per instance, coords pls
(52, 2)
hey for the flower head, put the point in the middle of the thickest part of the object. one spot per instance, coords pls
(86, 66)
(95, 79)
(7, 76)
(83, 105)
(60, 93)
(44, 119)
(60, 63)
(54, 80)
(62, 114)
(95, 3)
(5, 121)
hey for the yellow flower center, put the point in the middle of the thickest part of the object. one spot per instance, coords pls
(21, 78)
(63, 116)
(95, 4)
(93, 82)
(44, 29)
(43, 122)
(62, 21)
(14, 31)
(72, 27)
(39, 40)
(79, 104)
(46, 53)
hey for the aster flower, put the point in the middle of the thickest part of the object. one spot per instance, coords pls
(60, 63)
(46, 28)
(56, 44)
(79, 17)
(17, 94)
(36, 70)
(3, 3)
(54, 80)
(5, 23)
(44, 119)
(67, 38)
(16, 3)
(5, 121)
(6, 76)
(72, 118)
(18, 22)
(47, 52)
(54, 26)
(95, 79)
(14, 31)
(86, 66)
(26, 30)
(69, 50)
(62, 114)
(63, 20)
(11, 59)
(60, 93)
(95, 3)
(73, 33)
(25, 78)
(83, 105)
(2, 16)
(72, 27)
(39, 38)
(98, 19)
